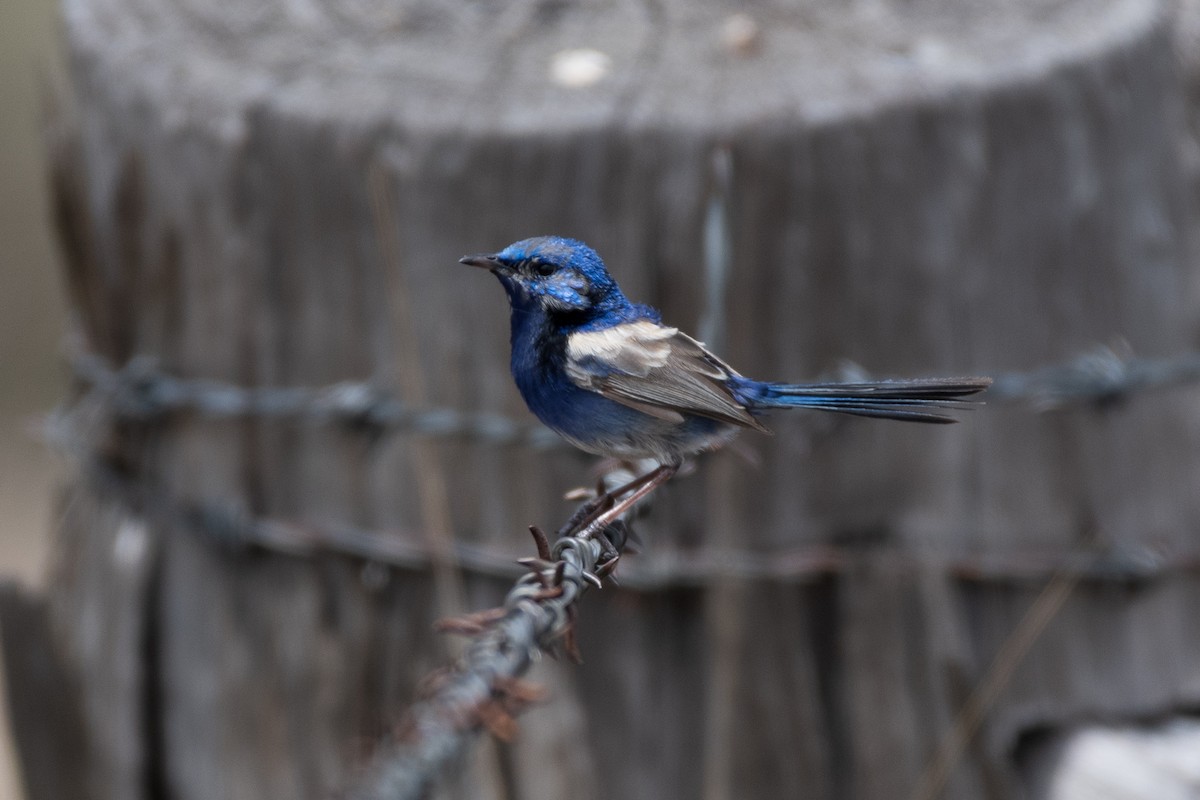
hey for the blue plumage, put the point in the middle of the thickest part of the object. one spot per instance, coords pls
(611, 378)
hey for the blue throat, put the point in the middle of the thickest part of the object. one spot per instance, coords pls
(539, 354)
(539, 357)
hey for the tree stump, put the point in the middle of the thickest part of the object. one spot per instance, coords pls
(275, 195)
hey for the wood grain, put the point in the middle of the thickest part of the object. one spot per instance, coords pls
(922, 188)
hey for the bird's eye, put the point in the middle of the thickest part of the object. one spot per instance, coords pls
(543, 268)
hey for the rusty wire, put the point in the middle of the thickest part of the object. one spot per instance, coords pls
(140, 390)
(226, 525)
(483, 690)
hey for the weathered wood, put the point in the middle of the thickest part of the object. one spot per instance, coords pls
(42, 700)
(101, 722)
(921, 188)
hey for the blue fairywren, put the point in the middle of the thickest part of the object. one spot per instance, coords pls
(612, 379)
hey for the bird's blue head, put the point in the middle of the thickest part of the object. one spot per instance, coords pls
(557, 275)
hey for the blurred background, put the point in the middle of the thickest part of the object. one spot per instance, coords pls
(32, 375)
(1001, 199)
(32, 303)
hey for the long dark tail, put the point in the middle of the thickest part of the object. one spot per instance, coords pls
(917, 400)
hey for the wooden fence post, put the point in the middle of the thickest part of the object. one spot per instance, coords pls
(941, 187)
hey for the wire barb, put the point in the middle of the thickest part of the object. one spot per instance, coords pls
(541, 541)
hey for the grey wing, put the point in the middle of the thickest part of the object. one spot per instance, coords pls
(656, 370)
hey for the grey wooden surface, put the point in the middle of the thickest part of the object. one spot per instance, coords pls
(938, 187)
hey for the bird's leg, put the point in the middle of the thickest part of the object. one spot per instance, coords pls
(633, 484)
(585, 514)
(636, 489)
(604, 500)
(596, 516)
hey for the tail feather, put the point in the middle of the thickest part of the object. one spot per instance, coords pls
(917, 400)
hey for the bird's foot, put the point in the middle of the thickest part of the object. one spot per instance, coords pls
(630, 494)
(586, 514)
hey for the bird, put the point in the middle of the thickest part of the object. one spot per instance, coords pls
(612, 379)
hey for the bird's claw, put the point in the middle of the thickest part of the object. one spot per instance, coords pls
(605, 569)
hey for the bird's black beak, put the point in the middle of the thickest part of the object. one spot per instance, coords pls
(488, 262)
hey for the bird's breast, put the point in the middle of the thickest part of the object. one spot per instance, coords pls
(586, 418)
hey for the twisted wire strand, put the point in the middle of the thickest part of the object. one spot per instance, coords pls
(141, 390)
(657, 570)
(482, 690)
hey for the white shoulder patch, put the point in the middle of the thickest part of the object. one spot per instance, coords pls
(634, 348)
(656, 370)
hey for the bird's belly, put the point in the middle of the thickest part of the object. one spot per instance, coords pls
(669, 448)
(605, 427)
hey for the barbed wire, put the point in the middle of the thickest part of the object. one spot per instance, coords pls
(1100, 377)
(227, 526)
(141, 390)
(483, 689)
